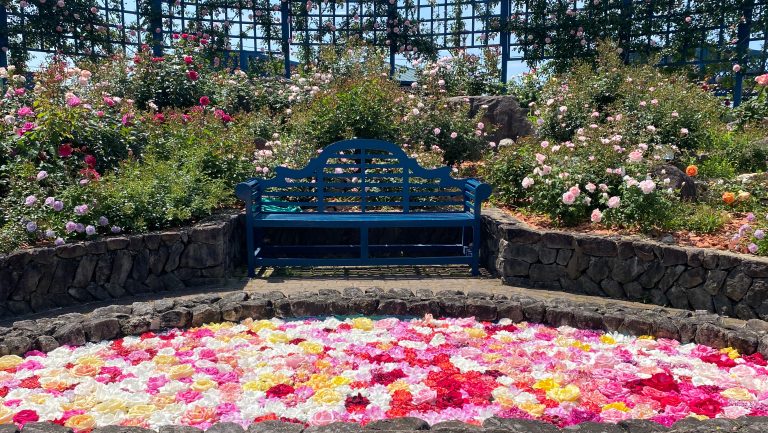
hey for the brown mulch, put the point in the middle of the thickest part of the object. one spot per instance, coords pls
(719, 240)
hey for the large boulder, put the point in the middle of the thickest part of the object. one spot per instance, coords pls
(678, 180)
(503, 112)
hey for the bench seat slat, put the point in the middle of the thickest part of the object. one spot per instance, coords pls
(363, 219)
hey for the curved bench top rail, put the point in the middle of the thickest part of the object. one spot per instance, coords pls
(359, 150)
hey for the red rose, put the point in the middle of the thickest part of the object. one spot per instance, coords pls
(3, 391)
(159, 118)
(385, 378)
(755, 358)
(188, 60)
(193, 75)
(32, 382)
(25, 416)
(356, 403)
(204, 100)
(184, 36)
(279, 391)
(720, 359)
(662, 381)
(65, 150)
(706, 406)
(90, 161)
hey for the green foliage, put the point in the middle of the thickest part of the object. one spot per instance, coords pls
(645, 211)
(636, 102)
(362, 108)
(698, 218)
(505, 171)
(159, 193)
(464, 74)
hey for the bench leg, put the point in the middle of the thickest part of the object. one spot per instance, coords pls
(476, 249)
(250, 248)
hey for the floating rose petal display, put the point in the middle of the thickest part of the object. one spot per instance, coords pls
(320, 371)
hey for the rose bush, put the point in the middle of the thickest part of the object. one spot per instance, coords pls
(613, 144)
(150, 142)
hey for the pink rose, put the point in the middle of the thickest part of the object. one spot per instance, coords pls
(568, 198)
(596, 216)
(324, 417)
(762, 80)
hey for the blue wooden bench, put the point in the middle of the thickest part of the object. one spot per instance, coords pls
(362, 184)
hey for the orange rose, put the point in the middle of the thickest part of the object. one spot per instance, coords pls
(82, 370)
(728, 197)
(198, 415)
(692, 170)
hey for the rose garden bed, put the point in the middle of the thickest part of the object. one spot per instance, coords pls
(303, 372)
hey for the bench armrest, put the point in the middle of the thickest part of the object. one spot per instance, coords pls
(480, 192)
(245, 191)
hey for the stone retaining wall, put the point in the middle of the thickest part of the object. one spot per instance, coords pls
(40, 279)
(625, 268)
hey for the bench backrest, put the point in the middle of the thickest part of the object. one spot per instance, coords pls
(364, 175)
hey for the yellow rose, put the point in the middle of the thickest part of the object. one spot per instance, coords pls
(278, 337)
(80, 402)
(81, 422)
(546, 384)
(491, 357)
(583, 346)
(340, 381)
(6, 415)
(110, 406)
(397, 385)
(311, 347)
(327, 396)
(8, 362)
(142, 411)
(698, 417)
(81, 370)
(646, 337)
(203, 384)
(217, 326)
(731, 352)
(181, 371)
(567, 393)
(619, 405)
(738, 394)
(90, 360)
(318, 381)
(165, 360)
(38, 398)
(607, 339)
(262, 324)
(533, 409)
(475, 332)
(362, 323)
